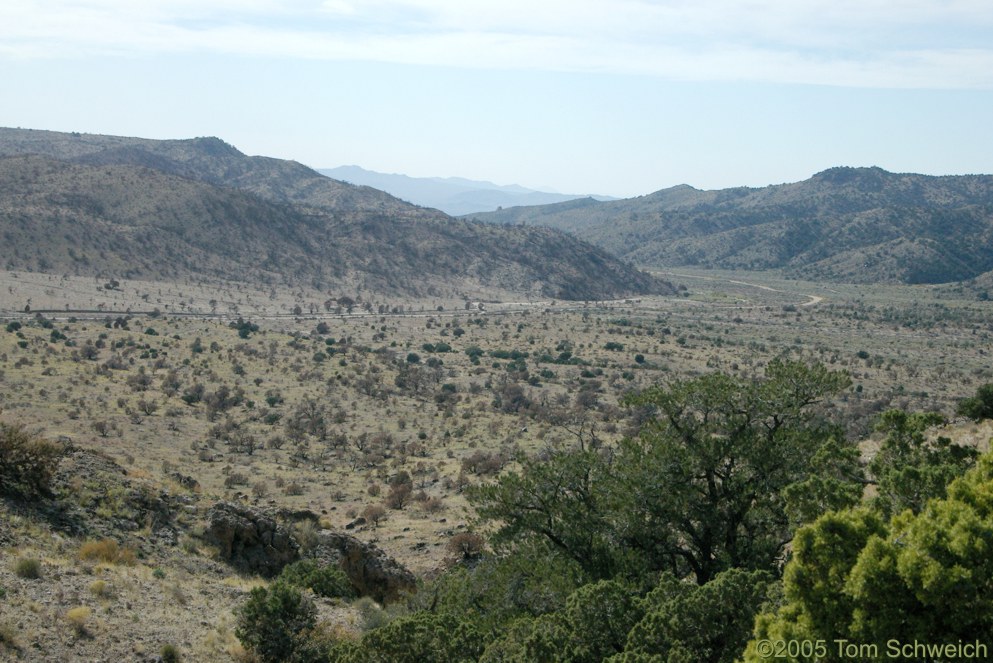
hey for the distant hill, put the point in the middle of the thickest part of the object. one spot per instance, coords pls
(452, 195)
(849, 224)
(136, 208)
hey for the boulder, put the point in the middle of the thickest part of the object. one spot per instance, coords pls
(250, 540)
(370, 570)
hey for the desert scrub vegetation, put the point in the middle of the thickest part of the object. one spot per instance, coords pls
(589, 555)
(27, 462)
(978, 407)
(326, 581)
(8, 637)
(324, 415)
(273, 621)
(78, 619)
(170, 654)
(28, 568)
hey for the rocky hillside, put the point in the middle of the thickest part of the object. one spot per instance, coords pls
(851, 224)
(111, 206)
(104, 565)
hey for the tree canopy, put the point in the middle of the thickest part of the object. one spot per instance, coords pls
(698, 491)
(922, 577)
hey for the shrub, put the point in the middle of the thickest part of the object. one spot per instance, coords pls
(305, 533)
(399, 496)
(980, 406)
(8, 636)
(77, 618)
(272, 620)
(466, 545)
(374, 513)
(424, 636)
(328, 581)
(169, 654)
(28, 568)
(27, 463)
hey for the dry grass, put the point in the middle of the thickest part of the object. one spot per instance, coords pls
(78, 618)
(107, 551)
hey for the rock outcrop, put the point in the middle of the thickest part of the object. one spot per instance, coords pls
(250, 540)
(256, 542)
(371, 571)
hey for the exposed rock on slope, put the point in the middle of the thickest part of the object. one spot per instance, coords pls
(371, 571)
(250, 540)
(255, 542)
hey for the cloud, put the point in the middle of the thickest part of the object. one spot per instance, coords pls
(860, 43)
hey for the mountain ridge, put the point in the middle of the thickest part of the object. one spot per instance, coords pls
(89, 204)
(855, 224)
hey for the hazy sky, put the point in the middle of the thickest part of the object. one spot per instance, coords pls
(619, 97)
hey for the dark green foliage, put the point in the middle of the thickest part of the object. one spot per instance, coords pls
(980, 406)
(498, 590)
(837, 483)
(169, 654)
(193, 394)
(593, 625)
(328, 581)
(28, 568)
(557, 502)
(436, 347)
(244, 327)
(273, 619)
(513, 355)
(909, 469)
(273, 397)
(707, 623)
(27, 463)
(699, 491)
(422, 637)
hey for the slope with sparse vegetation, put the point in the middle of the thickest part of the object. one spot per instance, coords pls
(861, 225)
(194, 209)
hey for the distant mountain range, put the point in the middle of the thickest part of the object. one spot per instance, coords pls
(452, 195)
(147, 209)
(845, 224)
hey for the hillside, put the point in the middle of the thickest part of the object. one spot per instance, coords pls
(452, 195)
(849, 224)
(178, 210)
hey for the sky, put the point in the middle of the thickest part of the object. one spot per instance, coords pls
(613, 97)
